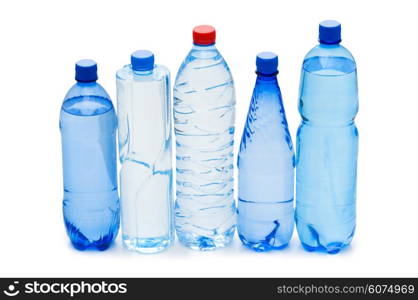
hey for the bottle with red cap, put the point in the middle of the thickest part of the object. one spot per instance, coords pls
(204, 116)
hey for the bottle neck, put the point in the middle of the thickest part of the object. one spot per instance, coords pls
(329, 46)
(85, 84)
(266, 79)
(142, 73)
(204, 47)
(204, 52)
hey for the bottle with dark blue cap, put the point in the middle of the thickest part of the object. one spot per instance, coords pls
(86, 70)
(144, 107)
(329, 32)
(88, 130)
(327, 145)
(266, 165)
(142, 60)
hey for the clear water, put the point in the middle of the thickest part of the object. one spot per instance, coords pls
(204, 116)
(144, 117)
(327, 146)
(91, 202)
(266, 172)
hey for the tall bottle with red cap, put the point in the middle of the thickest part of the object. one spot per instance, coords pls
(204, 117)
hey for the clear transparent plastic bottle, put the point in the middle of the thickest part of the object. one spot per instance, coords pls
(204, 116)
(88, 130)
(327, 145)
(266, 165)
(144, 118)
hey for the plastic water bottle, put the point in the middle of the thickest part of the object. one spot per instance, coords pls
(327, 145)
(204, 116)
(144, 115)
(88, 129)
(266, 165)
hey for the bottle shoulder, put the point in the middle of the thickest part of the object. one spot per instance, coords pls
(204, 53)
(266, 103)
(87, 99)
(86, 89)
(159, 72)
(330, 60)
(202, 59)
(267, 84)
(330, 51)
(266, 126)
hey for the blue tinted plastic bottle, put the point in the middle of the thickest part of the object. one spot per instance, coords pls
(144, 114)
(266, 165)
(204, 116)
(88, 128)
(327, 145)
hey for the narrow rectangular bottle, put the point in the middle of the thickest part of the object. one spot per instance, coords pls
(144, 119)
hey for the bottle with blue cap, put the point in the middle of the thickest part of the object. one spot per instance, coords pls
(266, 165)
(327, 145)
(144, 134)
(88, 130)
(204, 116)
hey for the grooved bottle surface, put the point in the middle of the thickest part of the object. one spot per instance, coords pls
(204, 115)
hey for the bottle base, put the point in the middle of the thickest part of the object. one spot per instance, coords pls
(332, 248)
(81, 242)
(90, 246)
(147, 245)
(262, 246)
(205, 243)
(314, 240)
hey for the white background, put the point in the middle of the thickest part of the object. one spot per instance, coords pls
(41, 40)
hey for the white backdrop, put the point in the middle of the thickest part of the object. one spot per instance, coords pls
(40, 41)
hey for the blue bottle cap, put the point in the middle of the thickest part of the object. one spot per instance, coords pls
(142, 60)
(86, 70)
(267, 63)
(329, 32)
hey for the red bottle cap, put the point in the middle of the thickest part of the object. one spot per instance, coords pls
(204, 35)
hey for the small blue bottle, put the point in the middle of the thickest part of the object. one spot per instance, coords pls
(88, 130)
(327, 145)
(266, 165)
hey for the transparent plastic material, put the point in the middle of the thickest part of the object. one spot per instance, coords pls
(91, 202)
(204, 116)
(266, 171)
(144, 119)
(327, 147)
